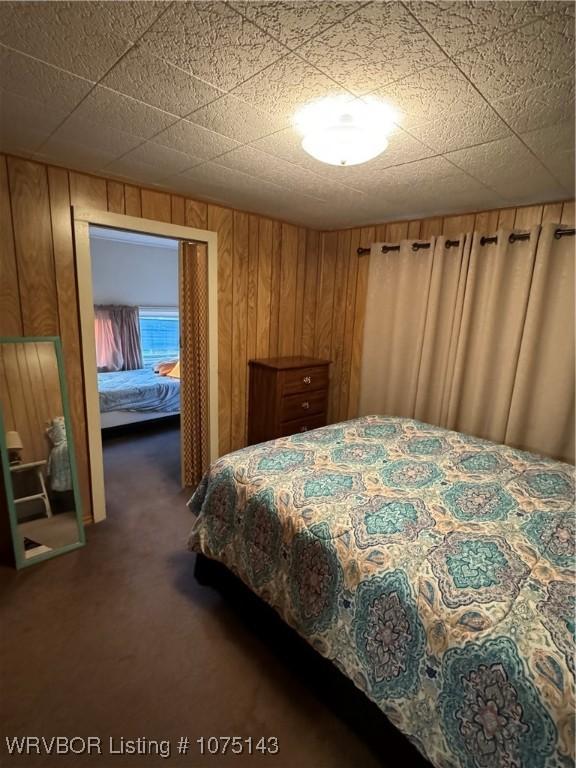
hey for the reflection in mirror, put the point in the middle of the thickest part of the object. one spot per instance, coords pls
(37, 450)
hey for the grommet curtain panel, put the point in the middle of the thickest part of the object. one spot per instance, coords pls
(475, 335)
(117, 330)
(194, 413)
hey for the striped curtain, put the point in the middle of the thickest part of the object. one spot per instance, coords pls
(194, 413)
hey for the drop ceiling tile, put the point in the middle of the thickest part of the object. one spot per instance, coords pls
(509, 168)
(195, 141)
(85, 38)
(458, 26)
(545, 142)
(377, 45)
(130, 168)
(26, 123)
(232, 117)
(431, 94)
(80, 157)
(285, 86)
(213, 42)
(158, 83)
(292, 23)
(538, 108)
(113, 110)
(82, 133)
(462, 129)
(274, 170)
(25, 76)
(535, 55)
(554, 146)
(168, 161)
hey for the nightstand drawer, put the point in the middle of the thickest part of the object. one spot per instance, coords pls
(304, 379)
(303, 405)
(302, 425)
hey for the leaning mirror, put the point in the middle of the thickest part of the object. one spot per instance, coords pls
(37, 450)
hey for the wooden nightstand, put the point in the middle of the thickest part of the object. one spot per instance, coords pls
(287, 395)
(35, 470)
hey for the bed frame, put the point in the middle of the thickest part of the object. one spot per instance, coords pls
(327, 683)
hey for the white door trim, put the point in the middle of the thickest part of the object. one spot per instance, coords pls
(82, 218)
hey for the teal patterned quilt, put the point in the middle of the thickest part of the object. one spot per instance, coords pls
(436, 570)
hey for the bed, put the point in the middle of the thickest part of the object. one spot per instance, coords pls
(138, 395)
(436, 570)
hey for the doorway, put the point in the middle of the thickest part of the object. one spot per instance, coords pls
(191, 240)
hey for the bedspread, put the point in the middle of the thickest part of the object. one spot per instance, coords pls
(436, 570)
(139, 390)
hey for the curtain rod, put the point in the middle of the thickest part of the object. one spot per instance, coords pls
(483, 241)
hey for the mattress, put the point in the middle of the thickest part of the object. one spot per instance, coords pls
(139, 390)
(436, 570)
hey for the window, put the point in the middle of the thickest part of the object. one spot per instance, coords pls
(159, 334)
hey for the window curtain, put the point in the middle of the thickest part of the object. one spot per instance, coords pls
(475, 334)
(117, 330)
(108, 352)
(194, 412)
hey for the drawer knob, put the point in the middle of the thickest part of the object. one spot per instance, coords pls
(303, 429)
(307, 379)
(306, 405)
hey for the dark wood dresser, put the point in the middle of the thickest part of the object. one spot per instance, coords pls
(287, 395)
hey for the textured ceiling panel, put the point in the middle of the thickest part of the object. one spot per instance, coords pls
(82, 37)
(294, 23)
(113, 110)
(461, 129)
(213, 42)
(538, 108)
(35, 80)
(199, 97)
(535, 55)
(158, 83)
(380, 43)
(285, 85)
(25, 123)
(431, 94)
(80, 132)
(195, 140)
(458, 26)
(509, 168)
(230, 117)
(165, 160)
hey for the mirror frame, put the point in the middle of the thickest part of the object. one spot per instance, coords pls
(20, 560)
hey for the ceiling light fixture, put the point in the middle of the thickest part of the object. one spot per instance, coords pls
(340, 130)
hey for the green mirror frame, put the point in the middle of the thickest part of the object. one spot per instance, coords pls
(20, 560)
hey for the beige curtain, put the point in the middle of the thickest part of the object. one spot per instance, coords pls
(117, 332)
(194, 413)
(443, 319)
(541, 415)
(495, 304)
(397, 297)
(477, 337)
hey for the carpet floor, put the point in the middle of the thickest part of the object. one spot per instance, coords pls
(118, 640)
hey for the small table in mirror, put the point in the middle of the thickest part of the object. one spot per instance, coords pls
(37, 450)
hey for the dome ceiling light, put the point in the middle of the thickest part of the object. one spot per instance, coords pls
(340, 130)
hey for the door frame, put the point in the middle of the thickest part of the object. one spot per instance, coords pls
(82, 219)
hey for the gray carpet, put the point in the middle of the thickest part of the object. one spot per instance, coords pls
(117, 639)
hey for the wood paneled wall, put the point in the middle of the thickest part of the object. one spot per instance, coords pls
(266, 280)
(30, 394)
(342, 287)
(282, 289)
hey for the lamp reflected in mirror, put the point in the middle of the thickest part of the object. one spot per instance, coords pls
(37, 451)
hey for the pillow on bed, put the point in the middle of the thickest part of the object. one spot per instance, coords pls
(164, 367)
(174, 373)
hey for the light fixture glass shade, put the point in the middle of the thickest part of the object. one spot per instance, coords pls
(344, 145)
(345, 131)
